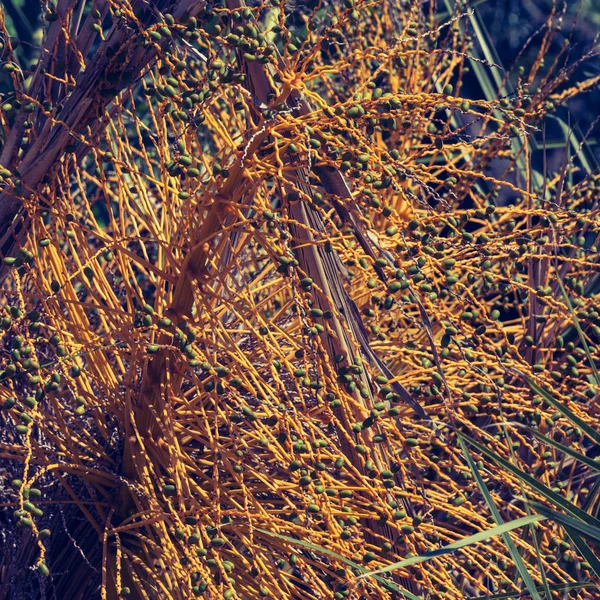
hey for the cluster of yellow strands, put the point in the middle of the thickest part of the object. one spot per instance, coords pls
(268, 309)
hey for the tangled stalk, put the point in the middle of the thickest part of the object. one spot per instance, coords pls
(281, 307)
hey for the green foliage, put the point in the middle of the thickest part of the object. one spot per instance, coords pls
(284, 311)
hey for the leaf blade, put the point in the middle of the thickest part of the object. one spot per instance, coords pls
(592, 464)
(450, 548)
(392, 586)
(546, 492)
(559, 406)
(514, 552)
(567, 521)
